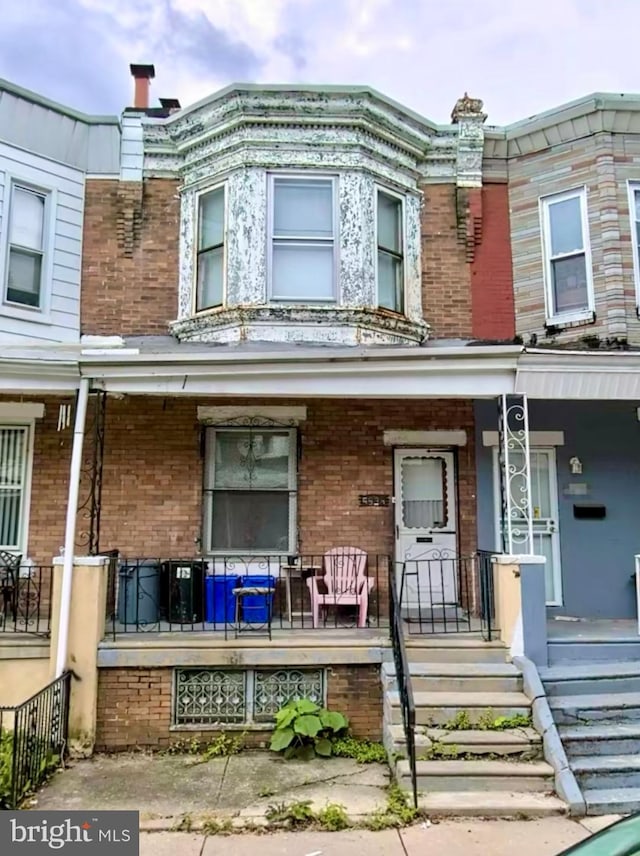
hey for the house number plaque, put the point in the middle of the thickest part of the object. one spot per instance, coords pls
(375, 500)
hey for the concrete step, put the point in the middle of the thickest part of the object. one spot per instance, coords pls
(479, 775)
(459, 649)
(610, 707)
(612, 800)
(573, 649)
(464, 677)
(600, 738)
(614, 771)
(438, 708)
(589, 678)
(490, 804)
(514, 742)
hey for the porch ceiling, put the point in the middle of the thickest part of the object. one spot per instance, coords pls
(579, 375)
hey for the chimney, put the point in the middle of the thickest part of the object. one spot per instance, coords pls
(171, 105)
(142, 74)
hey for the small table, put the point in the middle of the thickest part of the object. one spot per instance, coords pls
(302, 571)
(253, 626)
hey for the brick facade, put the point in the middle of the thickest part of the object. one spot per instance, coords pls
(130, 257)
(491, 270)
(134, 707)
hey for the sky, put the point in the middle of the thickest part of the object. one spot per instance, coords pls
(520, 56)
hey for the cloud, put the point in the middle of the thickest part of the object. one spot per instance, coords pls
(521, 58)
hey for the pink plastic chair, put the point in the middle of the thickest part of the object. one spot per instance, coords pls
(345, 581)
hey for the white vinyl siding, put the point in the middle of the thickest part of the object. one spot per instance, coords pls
(14, 460)
(390, 248)
(210, 258)
(302, 238)
(57, 318)
(567, 257)
(250, 490)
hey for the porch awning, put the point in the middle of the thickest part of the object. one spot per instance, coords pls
(429, 372)
(579, 375)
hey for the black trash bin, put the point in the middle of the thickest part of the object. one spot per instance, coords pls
(138, 593)
(183, 591)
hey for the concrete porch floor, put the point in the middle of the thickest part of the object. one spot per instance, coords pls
(593, 629)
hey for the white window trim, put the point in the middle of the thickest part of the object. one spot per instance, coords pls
(207, 505)
(25, 510)
(310, 176)
(39, 314)
(380, 188)
(196, 230)
(586, 314)
(633, 187)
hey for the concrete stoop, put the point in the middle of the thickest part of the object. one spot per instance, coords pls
(596, 706)
(475, 771)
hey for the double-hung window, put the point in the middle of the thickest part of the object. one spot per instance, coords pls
(26, 248)
(210, 268)
(250, 490)
(14, 446)
(565, 234)
(303, 240)
(634, 208)
(390, 240)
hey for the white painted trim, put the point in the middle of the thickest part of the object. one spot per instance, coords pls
(633, 187)
(518, 559)
(20, 411)
(536, 438)
(544, 203)
(424, 438)
(276, 413)
(89, 561)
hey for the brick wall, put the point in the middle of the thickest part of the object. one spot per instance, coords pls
(130, 257)
(446, 285)
(152, 474)
(134, 707)
(491, 269)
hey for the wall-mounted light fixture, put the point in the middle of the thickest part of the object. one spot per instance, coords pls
(575, 465)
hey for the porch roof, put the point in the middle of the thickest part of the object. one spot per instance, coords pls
(579, 375)
(159, 365)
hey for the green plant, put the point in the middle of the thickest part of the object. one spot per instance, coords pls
(460, 722)
(215, 826)
(488, 721)
(304, 730)
(333, 817)
(440, 751)
(184, 824)
(292, 815)
(6, 768)
(397, 812)
(222, 746)
(266, 792)
(184, 746)
(362, 751)
(30, 748)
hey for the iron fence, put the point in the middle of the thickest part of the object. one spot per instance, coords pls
(234, 594)
(403, 680)
(25, 598)
(487, 593)
(441, 593)
(33, 740)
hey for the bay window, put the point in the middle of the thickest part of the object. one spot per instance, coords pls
(390, 261)
(210, 269)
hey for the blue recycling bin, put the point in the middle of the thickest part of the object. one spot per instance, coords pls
(257, 608)
(220, 606)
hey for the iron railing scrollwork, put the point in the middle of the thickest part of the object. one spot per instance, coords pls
(515, 475)
(89, 509)
(34, 734)
(403, 678)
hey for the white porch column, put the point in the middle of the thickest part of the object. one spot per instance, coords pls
(515, 475)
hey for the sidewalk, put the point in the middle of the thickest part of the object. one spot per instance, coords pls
(545, 837)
